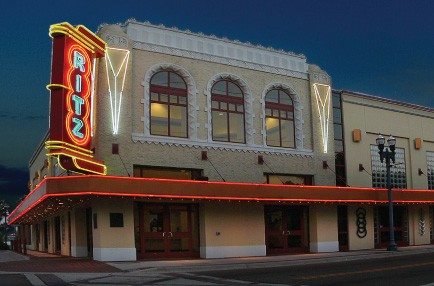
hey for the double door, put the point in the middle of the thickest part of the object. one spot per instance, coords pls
(400, 221)
(167, 231)
(285, 229)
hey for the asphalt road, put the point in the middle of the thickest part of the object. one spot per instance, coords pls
(403, 270)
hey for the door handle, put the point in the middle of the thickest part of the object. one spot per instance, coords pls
(164, 234)
(283, 232)
(170, 234)
(288, 232)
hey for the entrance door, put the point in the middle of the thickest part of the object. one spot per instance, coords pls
(343, 228)
(89, 234)
(168, 231)
(382, 226)
(57, 241)
(285, 229)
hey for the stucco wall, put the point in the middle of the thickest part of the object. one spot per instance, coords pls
(323, 228)
(113, 243)
(404, 123)
(354, 241)
(419, 225)
(231, 229)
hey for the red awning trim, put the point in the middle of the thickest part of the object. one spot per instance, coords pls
(152, 188)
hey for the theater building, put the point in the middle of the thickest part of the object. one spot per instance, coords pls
(171, 144)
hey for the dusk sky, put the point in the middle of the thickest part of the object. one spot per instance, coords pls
(382, 48)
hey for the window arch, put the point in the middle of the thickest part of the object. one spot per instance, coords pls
(227, 112)
(279, 119)
(168, 105)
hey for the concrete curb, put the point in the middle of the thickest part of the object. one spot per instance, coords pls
(261, 262)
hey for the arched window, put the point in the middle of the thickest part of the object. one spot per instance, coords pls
(168, 105)
(279, 119)
(227, 106)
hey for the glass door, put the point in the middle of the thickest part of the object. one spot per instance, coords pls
(167, 231)
(285, 229)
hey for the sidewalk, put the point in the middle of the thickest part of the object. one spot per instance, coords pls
(50, 263)
(195, 265)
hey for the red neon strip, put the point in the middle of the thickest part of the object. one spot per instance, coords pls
(28, 195)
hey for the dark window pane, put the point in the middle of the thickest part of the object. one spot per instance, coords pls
(336, 100)
(160, 79)
(272, 96)
(337, 115)
(338, 131)
(219, 88)
(176, 81)
(234, 90)
(285, 98)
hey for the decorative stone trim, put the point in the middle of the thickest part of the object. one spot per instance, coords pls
(257, 149)
(191, 90)
(172, 41)
(248, 104)
(117, 41)
(298, 117)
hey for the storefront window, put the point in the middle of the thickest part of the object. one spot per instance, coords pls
(168, 105)
(227, 107)
(286, 179)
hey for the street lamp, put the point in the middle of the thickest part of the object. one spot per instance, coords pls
(389, 155)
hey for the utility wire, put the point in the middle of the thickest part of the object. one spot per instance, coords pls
(216, 170)
(124, 165)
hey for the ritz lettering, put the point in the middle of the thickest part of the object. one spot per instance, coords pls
(79, 63)
(77, 103)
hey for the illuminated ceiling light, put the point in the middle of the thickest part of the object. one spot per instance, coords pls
(116, 67)
(322, 95)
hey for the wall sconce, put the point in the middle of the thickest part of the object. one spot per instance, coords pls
(204, 155)
(417, 143)
(260, 160)
(361, 168)
(325, 165)
(357, 135)
(420, 172)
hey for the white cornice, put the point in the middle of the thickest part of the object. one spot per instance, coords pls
(209, 48)
(171, 141)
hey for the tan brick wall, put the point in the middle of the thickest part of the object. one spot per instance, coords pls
(234, 165)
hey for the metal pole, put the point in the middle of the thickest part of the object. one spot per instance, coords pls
(392, 245)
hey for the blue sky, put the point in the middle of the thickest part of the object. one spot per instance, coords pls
(383, 48)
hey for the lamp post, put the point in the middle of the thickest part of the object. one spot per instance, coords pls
(389, 155)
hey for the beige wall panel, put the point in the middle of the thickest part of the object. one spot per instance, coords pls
(355, 242)
(65, 235)
(109, 237)
(78, 233)
(418, 228)
(239, 224)
(323, 228)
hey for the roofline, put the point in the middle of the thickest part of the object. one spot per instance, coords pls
(385, 100)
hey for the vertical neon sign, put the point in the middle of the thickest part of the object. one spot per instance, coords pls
(75, 50)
